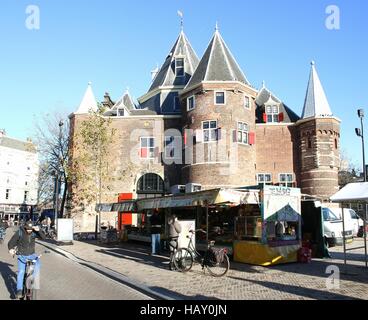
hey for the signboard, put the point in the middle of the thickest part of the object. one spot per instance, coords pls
(186, 226)
(65, 230)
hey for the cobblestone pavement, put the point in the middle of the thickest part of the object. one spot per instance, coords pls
(285, 282)
(62, 279)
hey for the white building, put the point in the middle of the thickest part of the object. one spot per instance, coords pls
(19, 167)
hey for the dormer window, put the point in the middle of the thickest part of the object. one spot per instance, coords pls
(272, 114)
(179, 67)
(120, 112)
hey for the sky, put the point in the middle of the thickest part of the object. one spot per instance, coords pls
(116, 43)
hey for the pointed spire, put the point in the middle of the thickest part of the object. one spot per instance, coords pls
(166, 74)
(216, 27)
(217, 64)
(89, 101)
(316, 103)
(181, 15)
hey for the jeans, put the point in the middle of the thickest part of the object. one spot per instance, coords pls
(173, 244)
(156, 243)
(22, 269)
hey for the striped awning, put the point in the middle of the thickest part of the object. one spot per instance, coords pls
(126, 206)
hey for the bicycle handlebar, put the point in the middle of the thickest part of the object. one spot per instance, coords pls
(198, 230)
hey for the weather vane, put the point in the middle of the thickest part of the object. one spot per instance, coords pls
(181, 15)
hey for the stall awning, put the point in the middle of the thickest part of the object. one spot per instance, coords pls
(352, 192)
(210, 197)
(126, 206)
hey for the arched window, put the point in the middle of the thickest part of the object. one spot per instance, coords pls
(150, 183)
(309, 143)
(336, 144)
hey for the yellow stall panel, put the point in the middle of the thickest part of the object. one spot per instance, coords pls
(263, 255)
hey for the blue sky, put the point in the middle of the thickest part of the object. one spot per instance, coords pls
(116, 43)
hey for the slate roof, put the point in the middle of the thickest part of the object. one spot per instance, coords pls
(315, 104)
(217, 64)
(166, 75)
(264, 96)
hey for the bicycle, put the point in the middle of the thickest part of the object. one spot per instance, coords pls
(2, 235)
(214, 260)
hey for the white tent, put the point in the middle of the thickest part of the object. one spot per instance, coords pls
(352, 192)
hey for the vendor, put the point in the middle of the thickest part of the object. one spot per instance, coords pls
(280, 229)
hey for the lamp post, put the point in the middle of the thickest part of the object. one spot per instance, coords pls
(360, 133)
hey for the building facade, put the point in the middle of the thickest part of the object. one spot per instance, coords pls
(19, 167)
(202, 122)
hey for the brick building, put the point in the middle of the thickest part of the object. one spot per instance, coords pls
(202, 122)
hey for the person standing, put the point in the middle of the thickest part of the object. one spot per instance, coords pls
(155, 222)
(174, 232)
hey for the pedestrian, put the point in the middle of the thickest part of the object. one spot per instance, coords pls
(155, 222)
(174, 232)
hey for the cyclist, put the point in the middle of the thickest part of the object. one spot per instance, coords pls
(174, 231)
(23, 244)
(3, 226)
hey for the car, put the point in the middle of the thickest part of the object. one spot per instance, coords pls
(333, 228)
(351, 219)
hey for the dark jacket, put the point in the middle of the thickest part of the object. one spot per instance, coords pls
(4, 225)
(174, 228)
(155, 222)
(25, 242)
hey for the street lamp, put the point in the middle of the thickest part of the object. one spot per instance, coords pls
(360, 133)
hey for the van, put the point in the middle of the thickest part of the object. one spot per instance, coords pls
(333, 228)
(352, 220)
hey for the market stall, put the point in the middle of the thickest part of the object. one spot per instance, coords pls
(270, 234)
(354, 193)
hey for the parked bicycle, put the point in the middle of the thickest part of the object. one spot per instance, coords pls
(215, 260)
(49, 232)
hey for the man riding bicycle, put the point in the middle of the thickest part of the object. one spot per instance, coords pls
(3, 226)
(23, 244)
(174, 232)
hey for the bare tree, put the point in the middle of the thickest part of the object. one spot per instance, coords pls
(349, 171)
(52, 141)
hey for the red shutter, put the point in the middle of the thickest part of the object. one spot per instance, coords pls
(235, 136)
(252, 138)
(185, 137)
(281, 117)
(265, 118)
(143, 153)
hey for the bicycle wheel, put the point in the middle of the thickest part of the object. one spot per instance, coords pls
(215, 268)
(183, 260)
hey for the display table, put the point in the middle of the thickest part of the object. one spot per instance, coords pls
(264, 255)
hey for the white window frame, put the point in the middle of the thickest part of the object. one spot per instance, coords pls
(209, 130)
(117, 112)
(286, 183)
(215, 95)
(176, 67)
(188, 103)
(242, 132)
(272, 114)
(249, 107)
(264, 175)
(149, 151)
